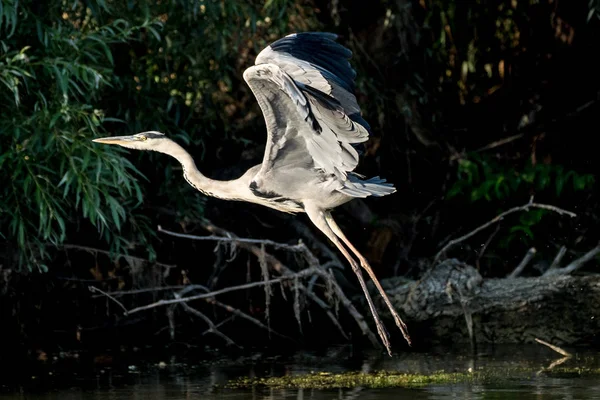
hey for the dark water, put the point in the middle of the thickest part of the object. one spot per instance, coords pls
(174, 378)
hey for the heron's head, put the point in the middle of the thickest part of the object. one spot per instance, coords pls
(150, 140)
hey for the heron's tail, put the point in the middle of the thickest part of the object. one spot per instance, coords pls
(376, 186)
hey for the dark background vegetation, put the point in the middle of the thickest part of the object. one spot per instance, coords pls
(475, 107)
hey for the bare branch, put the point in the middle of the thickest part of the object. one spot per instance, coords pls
(119, 293)
(284, 270)
(559, 256)
(233, 239)
(554, 364)
(108, 253)
(164, 302)
(500, 142)
(94, 289)
(327, 310)
(575, 264)
(235, 311)
(238, 313)
(212, 328)
(498, 218)
(555, 348)
(528, 256)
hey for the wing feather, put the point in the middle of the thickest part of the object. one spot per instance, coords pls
(304, 85)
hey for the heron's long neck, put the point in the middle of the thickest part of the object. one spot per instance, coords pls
(210, 187)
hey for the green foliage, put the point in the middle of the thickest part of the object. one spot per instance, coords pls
(523, 228)
(482, 178)
(71, 71)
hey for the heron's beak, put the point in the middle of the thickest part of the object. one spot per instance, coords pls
(114, 140)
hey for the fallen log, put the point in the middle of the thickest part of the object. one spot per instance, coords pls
(453, 303)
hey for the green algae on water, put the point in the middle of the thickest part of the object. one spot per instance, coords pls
(324, 380)
(387, 379)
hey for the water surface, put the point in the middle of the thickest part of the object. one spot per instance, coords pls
(184, 378)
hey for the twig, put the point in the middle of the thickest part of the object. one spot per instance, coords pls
(94, 289)
(284, 270)
(108, 253)
(575, 264)
(211, 325)
(327, 310)
(164, 302)
(188, 288)
(499, 217)
(358, 317)
(528, 256)
(235, 311)
(555, 348)
(119, 293)
(232, 239)
(559, 256)
(555, 363)
(486, 244)
(500, 142)
(339, 292)
(220, 324)
(238, 313)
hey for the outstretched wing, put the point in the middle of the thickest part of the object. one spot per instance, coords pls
(315, 59)
(304, 85)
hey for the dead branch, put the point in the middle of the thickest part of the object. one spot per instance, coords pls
(575, 264)
(315, 269)
(327, 309)
(235, 311)
(554, 364)
(94, 289)
(110, 254)
(212, 328)
(119, 293)
(555, 348)
(238, 313)
(500, 142)
(528, 256)
(299, 248)
(312, 260)
(499, 217)
(164, 302)
(559, 256)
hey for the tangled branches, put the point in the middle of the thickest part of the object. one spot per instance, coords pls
(273, 271)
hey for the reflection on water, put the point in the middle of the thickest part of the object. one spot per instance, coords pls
(175, 379)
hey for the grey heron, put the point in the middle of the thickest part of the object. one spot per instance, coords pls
(304, 85)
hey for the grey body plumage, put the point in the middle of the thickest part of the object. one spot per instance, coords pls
(304, 85)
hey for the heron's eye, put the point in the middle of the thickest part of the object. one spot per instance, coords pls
(142, 137)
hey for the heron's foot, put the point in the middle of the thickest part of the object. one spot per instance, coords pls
(383, 334)
(399, 323)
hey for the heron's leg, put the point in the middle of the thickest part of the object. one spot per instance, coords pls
(365, 264)
(318, 217)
